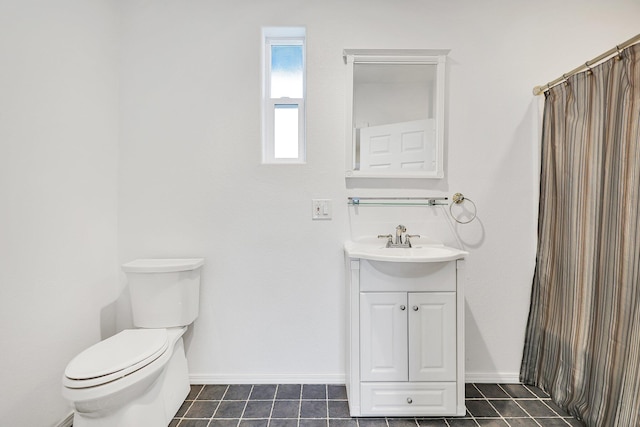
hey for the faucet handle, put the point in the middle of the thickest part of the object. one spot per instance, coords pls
(389, 238)
(410, 236)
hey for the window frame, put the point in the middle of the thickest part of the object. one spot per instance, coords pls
(282, 36)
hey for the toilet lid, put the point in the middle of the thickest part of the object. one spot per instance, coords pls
(117, 356)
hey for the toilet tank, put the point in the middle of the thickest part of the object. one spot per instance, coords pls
(164, 292)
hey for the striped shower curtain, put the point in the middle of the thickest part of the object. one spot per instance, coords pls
(582, 342)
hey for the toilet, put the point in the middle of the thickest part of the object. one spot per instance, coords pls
(139, 377)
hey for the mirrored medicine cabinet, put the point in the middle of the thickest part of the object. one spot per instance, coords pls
(395, 113)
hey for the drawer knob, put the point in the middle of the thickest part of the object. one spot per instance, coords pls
(415, 308)
(402, 307)
(409, 400)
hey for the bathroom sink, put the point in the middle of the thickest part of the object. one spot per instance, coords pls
(374, 249)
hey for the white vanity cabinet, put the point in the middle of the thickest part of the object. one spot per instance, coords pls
(405, 338)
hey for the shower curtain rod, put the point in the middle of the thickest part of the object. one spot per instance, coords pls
(541, 89)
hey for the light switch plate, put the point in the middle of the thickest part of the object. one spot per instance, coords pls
(321, 209)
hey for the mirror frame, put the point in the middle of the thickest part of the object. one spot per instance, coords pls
(436, 57)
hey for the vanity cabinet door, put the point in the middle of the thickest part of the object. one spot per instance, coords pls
(383, 336)
(432, 336)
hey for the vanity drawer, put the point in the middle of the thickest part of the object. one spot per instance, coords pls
(408, 399)
(407, 276)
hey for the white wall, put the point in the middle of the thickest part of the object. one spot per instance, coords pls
(187, 179)
(192, 183)
(58, 183)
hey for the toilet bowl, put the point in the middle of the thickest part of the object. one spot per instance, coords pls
(139, 377)
(142, 388)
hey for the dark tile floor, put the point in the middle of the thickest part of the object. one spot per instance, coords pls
(295, 405)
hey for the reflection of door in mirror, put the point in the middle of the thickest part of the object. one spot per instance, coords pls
(399, 146)
(394, 105)
(397, 118)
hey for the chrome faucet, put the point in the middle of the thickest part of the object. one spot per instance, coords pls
(399, 230)
(402, 239)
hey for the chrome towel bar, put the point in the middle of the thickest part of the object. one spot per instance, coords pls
(398, 201)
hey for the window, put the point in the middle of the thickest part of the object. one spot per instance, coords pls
(283, 95)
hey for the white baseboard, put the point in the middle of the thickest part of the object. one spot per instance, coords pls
(470, 377)
(67, 422)
(492, 377)
(267, 378)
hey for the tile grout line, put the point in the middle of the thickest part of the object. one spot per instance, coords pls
(527, 412)
(194, 399)
(473, 417)
(545, 404)
(326, 396)
(246, 402)
(511, 398)
(217, 406)
(300, 404)
(553, 410)
(273, 404)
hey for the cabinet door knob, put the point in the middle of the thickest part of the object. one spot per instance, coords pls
(402, 307)
(415, 308)
(409, 400)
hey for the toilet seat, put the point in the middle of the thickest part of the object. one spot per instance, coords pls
(116, 357)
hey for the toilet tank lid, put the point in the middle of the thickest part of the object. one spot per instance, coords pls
(162, 265)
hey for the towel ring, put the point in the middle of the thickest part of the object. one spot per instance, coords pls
(458, 198)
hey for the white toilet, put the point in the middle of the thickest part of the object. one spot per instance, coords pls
(139, 377)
